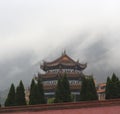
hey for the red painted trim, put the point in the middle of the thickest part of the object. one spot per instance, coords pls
(61, 106)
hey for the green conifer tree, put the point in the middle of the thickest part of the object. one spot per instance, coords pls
(33, 98)
(83, 91)
(66, 93)
(10, 101)
(112, 87)
(41, 96)
(20, 95)
(92, 90)
(58, 92)
(63, 93)
(108, 88)
(88, 90)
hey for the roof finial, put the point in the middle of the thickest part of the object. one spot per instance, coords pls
(64, 52)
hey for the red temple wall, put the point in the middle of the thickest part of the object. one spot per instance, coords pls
(90, 107)
(97, 110)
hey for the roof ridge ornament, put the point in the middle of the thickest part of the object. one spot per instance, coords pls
(64, 53)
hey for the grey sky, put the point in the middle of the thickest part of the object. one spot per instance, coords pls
(34, 30)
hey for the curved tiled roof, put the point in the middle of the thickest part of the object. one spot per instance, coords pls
(64, 61)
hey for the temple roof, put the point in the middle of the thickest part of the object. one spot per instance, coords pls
(64, 61)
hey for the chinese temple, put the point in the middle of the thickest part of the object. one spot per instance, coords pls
(57, 68)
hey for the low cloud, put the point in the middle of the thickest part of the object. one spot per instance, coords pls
(32, 31)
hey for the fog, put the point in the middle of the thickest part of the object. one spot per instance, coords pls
(33, 31)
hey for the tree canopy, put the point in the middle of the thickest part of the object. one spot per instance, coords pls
(20, 95)
(63, 93)
(41, 96)
(66, 89)
(36, 93)
(113, 87)
(10, 101)
(33, 93)
(88, 89)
